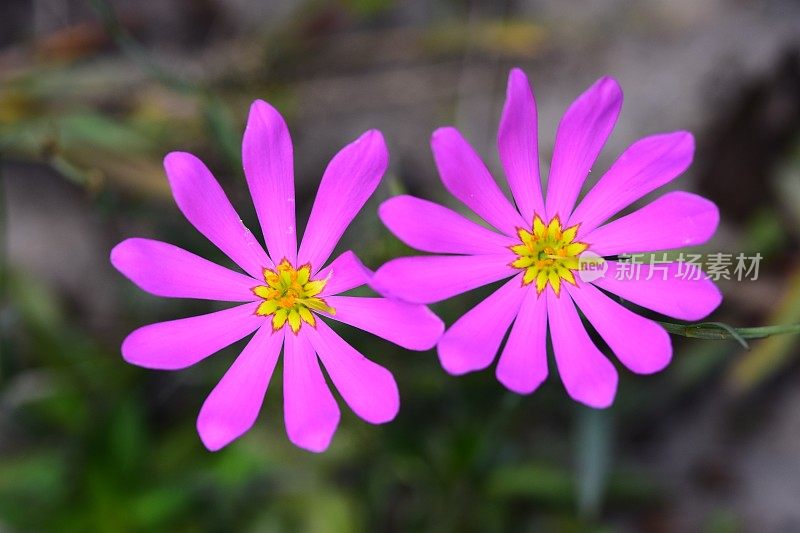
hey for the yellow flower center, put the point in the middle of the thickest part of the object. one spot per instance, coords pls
(549, 254)
(290, 296)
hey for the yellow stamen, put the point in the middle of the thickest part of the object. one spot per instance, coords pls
(548, 254)
(289, 296)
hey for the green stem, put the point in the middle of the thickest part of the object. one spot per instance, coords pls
(721, 331)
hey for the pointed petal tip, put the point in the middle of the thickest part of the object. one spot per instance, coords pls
(443, 132)
(316, 442)
(265, 120)
(601, 397)
(213, 439)
(432, 334)
(517, 76)
(711, 300)
(609, 82)
(608, 87)
(374, 139)
(373, 135)
(116, 253)
(264, 110)
(178, 158)
(516, 385)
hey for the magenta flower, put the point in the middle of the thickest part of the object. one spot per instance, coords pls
(540, 245)
(286, 294)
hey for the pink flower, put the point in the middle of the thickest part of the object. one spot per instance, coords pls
(540, 245)
(286, 293)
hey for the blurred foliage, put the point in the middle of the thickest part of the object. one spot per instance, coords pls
(88, 443)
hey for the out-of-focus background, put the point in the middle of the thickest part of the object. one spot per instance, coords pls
(93, 94)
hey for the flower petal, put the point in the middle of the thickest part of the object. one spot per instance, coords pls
(641, 344)
(678, 291)
(344, 273)
(429, 279)
(473, 340)
(268, 159)
(411, 326)
(369, 389)
(166, 270)
(583, 131)
(309, 408)
(180, 343)
(518, 145)
(203, 202)
(587, 375)
(523, 363)
(645, 166)
(430, 227)
(674, 220)
(350, 179)
(233, 406)
(466, 177)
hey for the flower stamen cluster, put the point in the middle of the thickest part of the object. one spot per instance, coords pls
(290, 295)
(548, 254)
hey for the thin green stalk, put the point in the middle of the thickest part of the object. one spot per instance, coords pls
(721, 331)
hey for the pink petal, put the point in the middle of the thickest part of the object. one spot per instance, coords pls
(467, 178)
(472, 342)
(411, 326)
(664, 288)
(517, 144)
(348, 182)
(267, 156)
(587, 375)
(429, 279)
(645, 166)
(581, 135)
(523, 363)
(183, 342)
(675, 220)
(203, 202)
(641, 344)
(310, 411)
(166, 270)
(232, 407)
(434, 228)
(344, 273)
(368, 388)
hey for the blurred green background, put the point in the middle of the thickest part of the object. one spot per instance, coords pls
(93, 94)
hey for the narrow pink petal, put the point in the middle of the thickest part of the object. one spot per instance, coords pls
(411, 326)
(675, 220)
(429, 279)
(166, 270)
(344, 273)
(467, 178)
(183, 342)
(368, 388)
(518, 145)
(472, 342)
(348, 182)
(641, 344)
(267, 156)
(644, 167)
(587, 375)
(430, 227)
(523, 363)
(583, 131)
(203, 202)
(309, 408)
(669, 289)
(232, 407)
